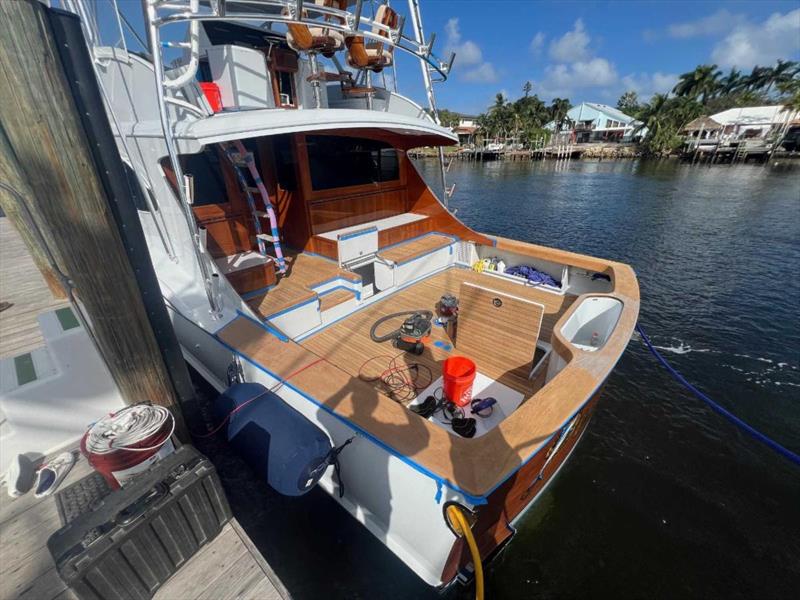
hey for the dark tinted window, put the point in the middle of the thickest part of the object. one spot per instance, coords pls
(337, 162)
(209, 187)
(284, 161)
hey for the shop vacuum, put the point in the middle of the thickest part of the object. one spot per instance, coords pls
(412, 331)
(125, 544)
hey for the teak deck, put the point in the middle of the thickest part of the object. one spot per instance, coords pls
(303, 272)
(227, 567)
(347, 344)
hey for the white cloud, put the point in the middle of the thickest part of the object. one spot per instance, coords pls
(484, 73)
(537, 43)
(647, 84)
(760, 44)
(580, 75)
(565, 79)
(572, 46)
(716, 23)
(468, 54)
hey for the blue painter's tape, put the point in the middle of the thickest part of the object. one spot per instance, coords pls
(265, 326)
(322, 256)
(410, 260)
(357, 296)
(438, 496)
(355, 234)
(258, 292)
(455, 238)
(291, 308)
(378, 442)
(308, 334)
(335, 278)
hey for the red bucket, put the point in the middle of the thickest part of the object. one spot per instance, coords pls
(212, 94)
(458, 373)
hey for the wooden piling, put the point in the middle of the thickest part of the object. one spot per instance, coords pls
(69, 197)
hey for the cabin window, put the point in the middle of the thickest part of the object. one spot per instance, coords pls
(337, 162)
(209, 186)
(283, 65)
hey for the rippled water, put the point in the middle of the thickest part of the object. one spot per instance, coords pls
(662, 498)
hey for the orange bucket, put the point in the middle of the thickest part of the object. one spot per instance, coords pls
(458, 373)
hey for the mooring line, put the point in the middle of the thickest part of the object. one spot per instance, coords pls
(785, 452)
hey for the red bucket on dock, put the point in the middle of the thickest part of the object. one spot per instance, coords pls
(458, 373)
(127, 442)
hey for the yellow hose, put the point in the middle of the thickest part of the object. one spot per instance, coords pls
(460, 525)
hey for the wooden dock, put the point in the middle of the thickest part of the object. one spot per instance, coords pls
(229, 567)
(23, 287)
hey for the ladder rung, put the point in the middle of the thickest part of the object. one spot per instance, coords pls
(262, 213)
(253, 190)
(267, 237)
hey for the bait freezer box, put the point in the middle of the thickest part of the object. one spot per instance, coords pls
(127, 543)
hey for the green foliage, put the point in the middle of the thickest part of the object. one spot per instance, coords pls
(712, 88)
(629, 103)
(523, 119)
(705, 91)
(448, 118)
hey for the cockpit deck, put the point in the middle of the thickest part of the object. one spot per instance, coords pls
(347, 343)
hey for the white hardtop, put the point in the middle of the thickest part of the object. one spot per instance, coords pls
(192, 135)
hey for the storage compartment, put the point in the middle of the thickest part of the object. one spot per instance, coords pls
(127, 543)
(558, 272)
(591, 324)
(242, 77)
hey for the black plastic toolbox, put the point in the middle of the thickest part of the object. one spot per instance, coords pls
(129, 542)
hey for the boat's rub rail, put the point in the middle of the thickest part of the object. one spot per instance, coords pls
(479, 465)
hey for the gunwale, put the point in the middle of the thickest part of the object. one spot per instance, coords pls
(472, 466)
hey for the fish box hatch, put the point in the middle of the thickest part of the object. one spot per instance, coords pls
(592, 323)
(358, 253)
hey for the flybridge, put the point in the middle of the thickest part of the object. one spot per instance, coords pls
(344, 16)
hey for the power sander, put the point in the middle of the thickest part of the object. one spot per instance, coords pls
(408, 337)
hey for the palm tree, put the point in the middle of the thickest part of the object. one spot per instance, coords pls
(558, 110)
(732, 82)
(702, 82)
(652, 113)
(759, 78)
(782, 72)
(526, 89)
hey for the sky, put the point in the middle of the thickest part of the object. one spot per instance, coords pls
(588, 51)
(595, 51)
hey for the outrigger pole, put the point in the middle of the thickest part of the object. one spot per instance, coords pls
(416, 21)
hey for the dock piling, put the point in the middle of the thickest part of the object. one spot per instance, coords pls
(59, 156)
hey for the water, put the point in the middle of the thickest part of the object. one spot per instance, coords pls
(662, 498)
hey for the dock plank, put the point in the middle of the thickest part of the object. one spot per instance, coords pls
(229, 566)
(24, 288)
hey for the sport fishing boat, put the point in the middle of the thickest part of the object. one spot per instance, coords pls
(297, 246)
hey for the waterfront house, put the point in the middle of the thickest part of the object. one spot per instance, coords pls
(592, 122)
(466, 130)
(752, 122)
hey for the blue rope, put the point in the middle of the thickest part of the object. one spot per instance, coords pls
(785, 452)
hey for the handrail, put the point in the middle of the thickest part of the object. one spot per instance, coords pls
(340, 20)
